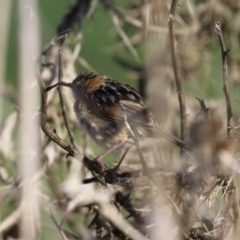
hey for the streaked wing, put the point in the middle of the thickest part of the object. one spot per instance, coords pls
(137, 114)
(113, 94)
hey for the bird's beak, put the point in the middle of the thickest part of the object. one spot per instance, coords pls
(59, 84)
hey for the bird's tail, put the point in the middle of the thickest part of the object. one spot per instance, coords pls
(171, 138)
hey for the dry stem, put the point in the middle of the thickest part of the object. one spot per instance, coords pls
(225, 76)
(60, 75)
(233, 196)
(176, 69)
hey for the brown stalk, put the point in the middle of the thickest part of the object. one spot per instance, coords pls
(59, 88)
(232, 197)
(44, 125)
(204, 109)
(176, 69)
(225, 76)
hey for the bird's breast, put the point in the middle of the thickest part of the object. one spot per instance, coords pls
(104, 133)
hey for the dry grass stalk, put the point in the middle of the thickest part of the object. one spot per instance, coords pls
(29, 148)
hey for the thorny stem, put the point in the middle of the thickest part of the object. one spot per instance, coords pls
(176, 69)
(225, 76)
(233, 196)
(60, 75)
(204, 109)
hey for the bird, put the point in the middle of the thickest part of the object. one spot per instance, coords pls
(102, 105)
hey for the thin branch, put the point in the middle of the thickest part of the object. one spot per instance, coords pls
(86, 65)
(176, 69)
(42, 60)
(45, 145)
(107, 210)
(60, 75)
(233, 196)
(44, 125)
(155, 29)
(12, 219)
(123, 35)
(64, 234)
(204, 109)
(225, 76)
(145, 167)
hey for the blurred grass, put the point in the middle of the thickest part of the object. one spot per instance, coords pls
(99, 35)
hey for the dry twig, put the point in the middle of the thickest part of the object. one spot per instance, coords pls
(232, 194)
(204, 109)
(61, 40)
(176, 68)
(225, 76)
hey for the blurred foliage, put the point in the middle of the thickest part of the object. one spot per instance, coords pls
(196, 177)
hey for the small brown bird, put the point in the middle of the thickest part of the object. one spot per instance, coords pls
(99, 104)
